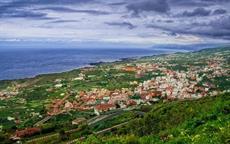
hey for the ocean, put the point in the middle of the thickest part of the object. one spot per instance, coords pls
(25, 63)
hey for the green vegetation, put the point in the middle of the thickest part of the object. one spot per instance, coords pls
(26, 102)
(124, 117)
(203, 121)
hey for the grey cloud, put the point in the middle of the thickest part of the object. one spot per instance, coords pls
(117, 3)
(12, 5)
(219, 11)
(165, 21)
(221, 23)
(218, 1)
(15, 3)
(59, 9)
(159, 6)
(188, 3)
(170, 33)
(188, 21)
(63, 21)
(218, 28)
(196, 12)
(121, 24)
(197, 3)
(24, 14)
(65, 9)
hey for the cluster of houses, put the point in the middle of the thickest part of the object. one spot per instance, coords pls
(5, 94)
(57, 106)
(11, 90)
(99, 100)
(174, 85)
(183, 84)
(216, 68)
(140, 69)
(170, 84)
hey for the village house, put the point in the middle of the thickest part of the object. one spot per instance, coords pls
(58, 85)
(56, 106)
(131, 102)
(81, 76)
(68, 105)
(130, 68)
(78, 121)
(103, 108)
(24, 133)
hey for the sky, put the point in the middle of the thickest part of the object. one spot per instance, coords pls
(127, 22)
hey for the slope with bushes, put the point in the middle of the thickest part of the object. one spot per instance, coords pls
(202, 121)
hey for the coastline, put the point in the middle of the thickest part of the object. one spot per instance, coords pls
(94, 64)
(137, 82)
(90, 65)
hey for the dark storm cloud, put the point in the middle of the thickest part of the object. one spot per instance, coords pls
(121, 24)
(219, 11)
(159, 6)
(23, 14)
(66, 10)
(18, 8)
(201, 12)
(20, 13)
(218, 28)
(12, 5)
(23, 3)
(18, 3)
(203, 18)
(196, 12)
(26, 8)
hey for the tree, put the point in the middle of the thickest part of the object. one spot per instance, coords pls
(63, 135)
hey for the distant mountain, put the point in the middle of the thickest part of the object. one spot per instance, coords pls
(191, 47)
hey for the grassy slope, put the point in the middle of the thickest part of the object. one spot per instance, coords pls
(203, 121)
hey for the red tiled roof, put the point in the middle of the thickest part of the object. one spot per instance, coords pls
(131, 102)
(27, 132)
(129, 68)
(104, 107)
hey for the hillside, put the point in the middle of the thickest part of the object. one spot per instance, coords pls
(180, 97)
(203, 121)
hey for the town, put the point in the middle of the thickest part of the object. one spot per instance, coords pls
(110, 87)
(166, 84)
